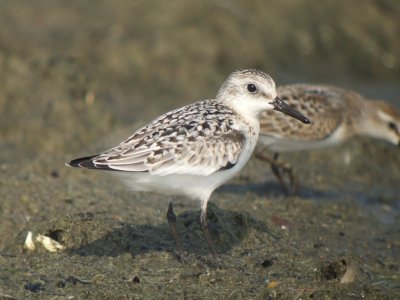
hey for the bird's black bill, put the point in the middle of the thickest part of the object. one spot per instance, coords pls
(281, 106)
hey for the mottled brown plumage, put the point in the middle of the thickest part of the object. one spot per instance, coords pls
(336, 114)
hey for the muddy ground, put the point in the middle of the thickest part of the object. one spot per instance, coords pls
(77, 77)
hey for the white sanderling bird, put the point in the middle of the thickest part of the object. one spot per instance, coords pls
(337, 114)
(194, 149)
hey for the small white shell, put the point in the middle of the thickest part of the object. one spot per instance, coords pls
(351, 273)
(49, 244)
(29, 244)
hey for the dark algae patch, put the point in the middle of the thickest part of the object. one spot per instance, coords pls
(76, 78)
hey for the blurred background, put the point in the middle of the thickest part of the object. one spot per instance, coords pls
(79, 76)
(73, 71)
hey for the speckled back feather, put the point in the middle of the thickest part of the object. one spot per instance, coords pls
(197, 139)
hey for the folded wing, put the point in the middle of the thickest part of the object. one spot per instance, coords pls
(190, 144)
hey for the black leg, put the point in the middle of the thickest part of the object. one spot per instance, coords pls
(277, 169)
(294, 185)
(204, 227)
(293, 181)
(172, 226)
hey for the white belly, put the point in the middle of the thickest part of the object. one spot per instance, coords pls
(284, 144)
(194, 186)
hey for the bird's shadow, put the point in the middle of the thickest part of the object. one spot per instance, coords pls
(227, 229)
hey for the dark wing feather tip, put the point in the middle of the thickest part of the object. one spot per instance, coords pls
(83, 162)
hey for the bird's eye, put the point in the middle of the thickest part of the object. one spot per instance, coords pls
(251, 88)
(392, 126)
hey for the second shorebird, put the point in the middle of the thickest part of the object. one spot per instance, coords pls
(337, 114)
(195, 149)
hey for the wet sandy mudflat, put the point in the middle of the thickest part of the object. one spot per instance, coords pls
(77, 78)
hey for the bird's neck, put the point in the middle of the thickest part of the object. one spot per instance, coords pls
(363, 118)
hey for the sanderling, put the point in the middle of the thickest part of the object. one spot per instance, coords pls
(337, 114)
(194, 149)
